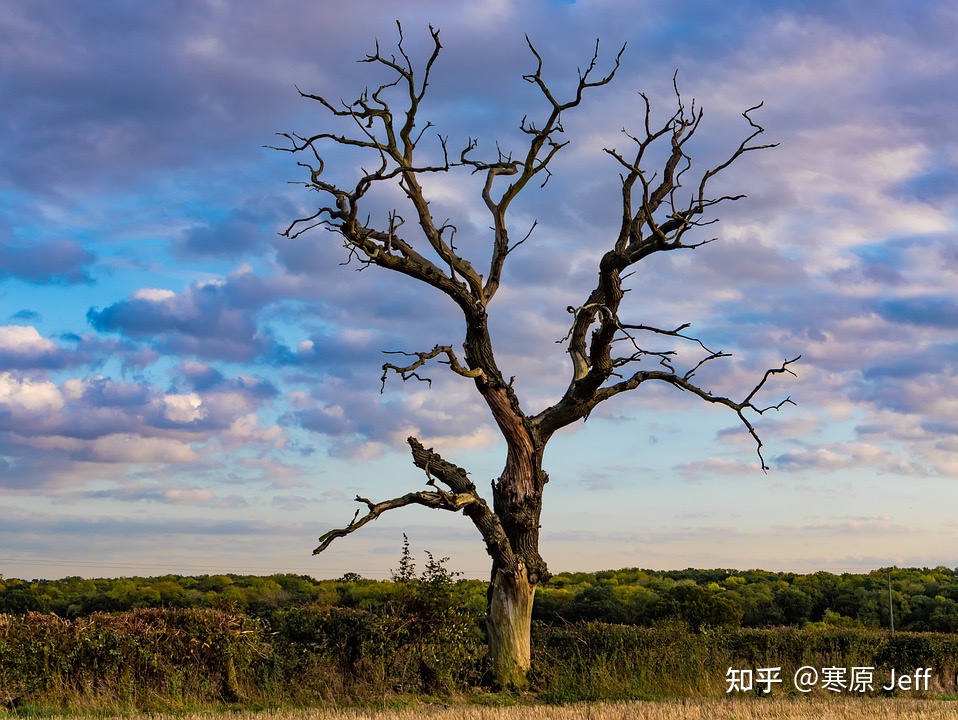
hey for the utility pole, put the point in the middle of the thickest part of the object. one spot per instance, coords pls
(891, 610)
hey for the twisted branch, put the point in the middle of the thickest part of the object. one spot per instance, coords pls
(462, 495)
(408, 372)
(433, 499)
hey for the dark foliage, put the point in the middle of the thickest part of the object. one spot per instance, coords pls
(924, 600)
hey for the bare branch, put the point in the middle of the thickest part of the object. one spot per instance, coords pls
(672, 333)
(543, 147)
(685, 384)
(462, 495)
(653, 220)
(438, 500)
(456, 479)
(408, 372)
(375, 130)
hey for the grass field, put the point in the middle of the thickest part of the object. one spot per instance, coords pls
(731, 708)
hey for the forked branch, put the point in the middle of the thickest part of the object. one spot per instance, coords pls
(408, 372)
(655, 218)
(685, 384)
(433, 499)
(460, 496)
(543, 147)
(393, 143)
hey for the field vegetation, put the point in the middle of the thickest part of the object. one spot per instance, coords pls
(185, 643)
(923, 599)
(694, 709)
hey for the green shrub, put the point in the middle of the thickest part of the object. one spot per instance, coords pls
(173, 659)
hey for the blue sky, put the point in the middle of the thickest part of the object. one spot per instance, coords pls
(184, 390)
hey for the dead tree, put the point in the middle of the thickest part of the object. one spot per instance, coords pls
(607, 352)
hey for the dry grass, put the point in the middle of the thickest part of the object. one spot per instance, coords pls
(726, 708)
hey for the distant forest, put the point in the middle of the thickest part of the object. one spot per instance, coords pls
(921, 599)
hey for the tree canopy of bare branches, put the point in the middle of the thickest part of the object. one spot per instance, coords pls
(661, 211)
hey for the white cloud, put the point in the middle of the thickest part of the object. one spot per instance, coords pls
(124, 448)
(29, 395)
(247, 430)
(830, 457)
(17, 338)
(73, 388)
(153, 295)
(184, 408)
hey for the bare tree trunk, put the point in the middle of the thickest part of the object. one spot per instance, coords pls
(509, 626)
(512, 587)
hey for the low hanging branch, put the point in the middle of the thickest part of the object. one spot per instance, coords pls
(433, 499)
(462, 495)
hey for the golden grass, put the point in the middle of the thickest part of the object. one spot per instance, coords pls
(724, 709)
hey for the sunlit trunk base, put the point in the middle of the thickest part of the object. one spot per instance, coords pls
(509, 625)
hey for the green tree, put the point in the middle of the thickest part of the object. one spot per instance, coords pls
(794, 605)
(944, 615)
(698, 607)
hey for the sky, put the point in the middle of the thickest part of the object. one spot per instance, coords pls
(184, 390)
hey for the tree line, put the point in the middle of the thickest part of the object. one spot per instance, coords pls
(922, 599)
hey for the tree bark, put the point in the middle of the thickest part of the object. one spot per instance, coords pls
(509, 626)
